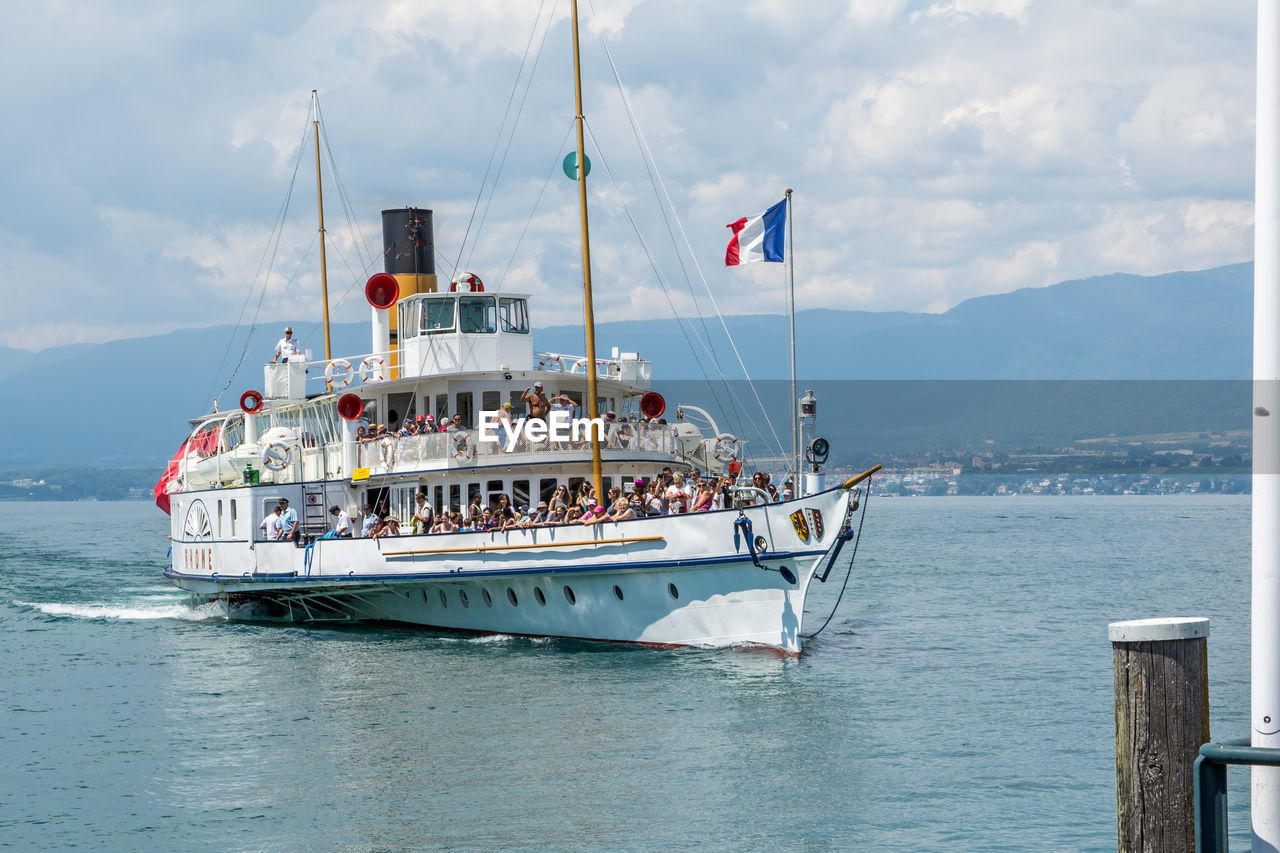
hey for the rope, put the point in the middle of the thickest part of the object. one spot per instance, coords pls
(865, 501)
(515, 87)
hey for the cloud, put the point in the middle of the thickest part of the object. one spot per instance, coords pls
(938, 151)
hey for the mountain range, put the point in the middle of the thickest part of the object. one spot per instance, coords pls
(126, 402)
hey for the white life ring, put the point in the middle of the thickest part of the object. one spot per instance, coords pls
(463, 449)
(552, 361)
(338, 373)
(277, 455)
(386, 451)
(372, 369)
(578, 365)
(726, 448)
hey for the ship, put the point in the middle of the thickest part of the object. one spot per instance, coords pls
(313, 435)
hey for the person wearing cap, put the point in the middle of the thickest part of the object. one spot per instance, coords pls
(595, 515)
(342, 522)
(288, 522)
(287, 347)
(539, 517)
(539, 405)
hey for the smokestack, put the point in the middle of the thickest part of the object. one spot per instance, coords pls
(409, 255)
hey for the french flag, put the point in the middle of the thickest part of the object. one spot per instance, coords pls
(758, 238)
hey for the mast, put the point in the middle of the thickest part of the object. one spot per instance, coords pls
(794, 465)
(590, 323)
(324, 270)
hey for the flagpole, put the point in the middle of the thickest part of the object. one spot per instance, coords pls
(794, 464)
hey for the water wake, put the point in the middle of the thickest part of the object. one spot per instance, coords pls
(213, 610)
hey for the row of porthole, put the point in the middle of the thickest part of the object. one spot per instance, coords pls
(538, 594)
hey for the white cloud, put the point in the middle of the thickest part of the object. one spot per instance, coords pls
(938, 152)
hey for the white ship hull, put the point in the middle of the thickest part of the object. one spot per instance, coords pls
(671, 580)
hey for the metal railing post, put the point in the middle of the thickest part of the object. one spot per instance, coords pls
(1211, 805)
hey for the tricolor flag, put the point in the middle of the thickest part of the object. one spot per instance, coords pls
(759, 237)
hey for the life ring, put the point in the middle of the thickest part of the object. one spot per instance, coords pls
(277, 455)
(372, 369)
(386, 451)
(578, 365)
(468, 282)
(338, 373)
(552, 359)
(251, 402)
(463, 449)
(726, 448)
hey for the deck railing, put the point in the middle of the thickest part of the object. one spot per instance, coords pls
(1211, 787)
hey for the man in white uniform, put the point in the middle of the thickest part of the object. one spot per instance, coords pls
(342, 524)
(288, 522)
(287, 347)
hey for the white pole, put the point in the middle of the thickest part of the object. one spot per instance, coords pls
(1265, 693)
(793, 465)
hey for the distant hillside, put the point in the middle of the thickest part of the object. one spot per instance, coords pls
(125, 402)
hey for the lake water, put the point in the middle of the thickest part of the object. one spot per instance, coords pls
(960, 700)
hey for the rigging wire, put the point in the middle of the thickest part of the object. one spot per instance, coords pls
(649, 153)
(866, 500)
(493, 187)
(662, 281)
(271, 249)
(536, 202)
(515, 87)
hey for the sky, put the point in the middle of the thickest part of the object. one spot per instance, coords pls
(937, 150)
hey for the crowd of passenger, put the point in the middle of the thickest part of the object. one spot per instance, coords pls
(666, 493)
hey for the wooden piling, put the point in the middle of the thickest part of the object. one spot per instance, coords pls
(1161, 672)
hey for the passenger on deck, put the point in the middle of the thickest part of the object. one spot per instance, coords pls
(622, 510)
(653, 504)
(423, 514)
(362, 435)
(560, 499)
(270, 525)
(573, 515)
(539, 406)
(539, 517)
(504, 512)
(505, 424)
(558, 515)
(445, 524)
(704, 500)
(676, 503)
(369, 523)
(342, 522)
(456, 424)
(487, 520)
(287, 347)
(595, 516)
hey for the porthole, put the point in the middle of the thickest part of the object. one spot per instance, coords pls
(488, 599)
(462, 596)
(537, 593)
(569, 596)
(617, 592)
(787, 575)
(444, 600)
(511, 596)
(671, 589)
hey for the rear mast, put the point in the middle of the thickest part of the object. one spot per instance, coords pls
(592, 400)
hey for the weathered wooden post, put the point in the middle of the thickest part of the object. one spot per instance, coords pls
(1161, 671)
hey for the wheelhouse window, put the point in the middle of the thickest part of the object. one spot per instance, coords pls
(477, 314)
(437, 315)
(410, 318)
(513, 314)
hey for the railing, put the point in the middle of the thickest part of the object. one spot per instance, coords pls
(1211, 787)
(463, 447)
